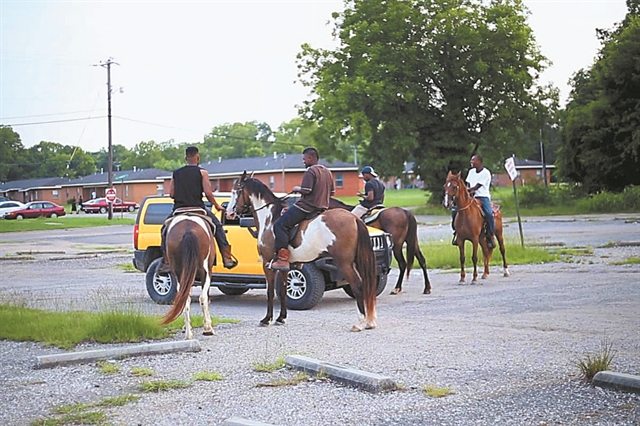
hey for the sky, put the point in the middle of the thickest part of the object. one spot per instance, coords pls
(185, 67)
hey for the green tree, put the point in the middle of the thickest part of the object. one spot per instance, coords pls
(237, 140)
(601, 133)
(11, 154)
(432, 80)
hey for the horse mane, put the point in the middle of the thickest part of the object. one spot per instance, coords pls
(334, 203)
(258, 187)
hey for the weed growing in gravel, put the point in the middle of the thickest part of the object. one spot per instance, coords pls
(592, 363)
(142, 372)
(73, 408)
(163, 385)
(208, 376)
(127, 267)
(269, 367)
(107, 367)
(627, 261)
(88, 418)
(299, 378)
(436, 392)
(118, 401)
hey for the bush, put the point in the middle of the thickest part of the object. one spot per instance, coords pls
(606, 202)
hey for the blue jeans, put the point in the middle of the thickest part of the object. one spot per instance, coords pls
(488, 212)
(285, 223)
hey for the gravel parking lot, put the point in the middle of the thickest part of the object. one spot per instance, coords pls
(506, 349)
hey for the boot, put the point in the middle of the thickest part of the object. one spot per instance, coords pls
(454, 242)
(164, 267)
(228, 259)
(491, 243)
(282, 264)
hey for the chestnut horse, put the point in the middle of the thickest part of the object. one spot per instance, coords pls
(403, 227)
(335, 233)
(191, 252)
(469, 223)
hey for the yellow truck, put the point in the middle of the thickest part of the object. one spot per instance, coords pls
(305, 286)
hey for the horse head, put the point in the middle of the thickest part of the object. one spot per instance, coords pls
(239, 202)
(452, 190)
(249, 193)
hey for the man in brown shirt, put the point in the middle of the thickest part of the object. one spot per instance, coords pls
(316, 189)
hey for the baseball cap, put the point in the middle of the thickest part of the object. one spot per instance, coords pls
(369, 169)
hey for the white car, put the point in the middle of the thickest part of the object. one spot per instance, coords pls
(10, 206)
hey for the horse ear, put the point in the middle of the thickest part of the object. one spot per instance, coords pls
(252, 174)
(244, 176)
(458, 174)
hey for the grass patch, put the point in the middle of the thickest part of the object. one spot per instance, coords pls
(207, 376)
(126, 267)
(142, 372)
(269, 367)
(442, 255)
(73, 408)
(597, 361)
(299, 378)
(83, 418)
(163, 385)
(118, 401)
(627, 261)
(67, 329)
(41, 224)
(107, 367)
(436, 392)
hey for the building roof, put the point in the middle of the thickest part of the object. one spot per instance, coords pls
(28, 184)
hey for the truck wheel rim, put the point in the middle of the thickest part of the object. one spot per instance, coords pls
(162, 284)
(296, 284)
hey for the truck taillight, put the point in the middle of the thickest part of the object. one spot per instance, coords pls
(135, 236)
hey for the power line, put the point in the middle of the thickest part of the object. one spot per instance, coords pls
(54, 121)
(47, 115)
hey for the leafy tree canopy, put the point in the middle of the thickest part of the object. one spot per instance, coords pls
(432, 80)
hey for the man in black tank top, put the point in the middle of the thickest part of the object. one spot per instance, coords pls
(187, 185)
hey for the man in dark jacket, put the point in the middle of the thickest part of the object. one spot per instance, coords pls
(316, 189)
(373, 194)
(187, 185)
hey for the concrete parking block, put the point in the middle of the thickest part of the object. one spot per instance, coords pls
(365, 380)
(48, 361)
(237, 421)
(618, 381)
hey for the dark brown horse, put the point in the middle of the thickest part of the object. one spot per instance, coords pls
(469, 223)
(334, 233)
(403, 227)
(191, 252)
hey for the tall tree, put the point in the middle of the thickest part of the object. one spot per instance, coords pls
(11, 153)
(601, 133)
(237, 140)
(433, 80)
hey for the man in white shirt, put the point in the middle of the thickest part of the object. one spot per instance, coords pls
(479, 182)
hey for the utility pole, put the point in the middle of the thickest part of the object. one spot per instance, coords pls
(107, 64)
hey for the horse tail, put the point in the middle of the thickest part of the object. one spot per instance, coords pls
(367, 268)
(188, 264)
(411, 240)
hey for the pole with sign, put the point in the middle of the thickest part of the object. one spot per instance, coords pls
(510, 167)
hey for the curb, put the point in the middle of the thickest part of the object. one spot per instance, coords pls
(237, 421)
(48, 361)
(617, 381)
(371, 382)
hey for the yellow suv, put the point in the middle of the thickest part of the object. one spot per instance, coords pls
(305, 286)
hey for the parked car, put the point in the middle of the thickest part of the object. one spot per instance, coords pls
(37, 209)
(101, 205)
(10, 206)
(304, 284)
(5, 199)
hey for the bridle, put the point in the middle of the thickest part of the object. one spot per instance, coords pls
(454, 198)
(248, 205)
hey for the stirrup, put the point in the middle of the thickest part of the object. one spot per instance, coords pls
(278, 268)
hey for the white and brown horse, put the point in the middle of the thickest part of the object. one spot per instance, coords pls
(469, 223)
(191, 252)
(336, 233)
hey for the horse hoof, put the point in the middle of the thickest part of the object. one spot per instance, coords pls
(263, 324)
(356, 328)
(484, 277)
(208, 333)
(395, 291)
(370, 326)
(474, 282)
(506, 274)
(280, 322)
(426, 292)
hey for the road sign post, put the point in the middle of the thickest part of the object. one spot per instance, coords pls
(110, 194)
(510, 167)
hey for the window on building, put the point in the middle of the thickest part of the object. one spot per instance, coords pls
(339, 180)
(55, 194)
(126, 190)
(272, 182)
(160, 189)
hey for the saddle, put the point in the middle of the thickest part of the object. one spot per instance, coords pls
(191, 211)
(372, 214)
(308, 217)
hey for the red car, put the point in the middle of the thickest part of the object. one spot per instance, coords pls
(37, 209)
(101, 205)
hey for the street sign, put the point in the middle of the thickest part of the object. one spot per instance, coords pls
(121, 177)
(510, 167)
(110, 194)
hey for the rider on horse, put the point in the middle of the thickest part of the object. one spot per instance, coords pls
(373, 194)
(187, 185)
(316, 189)
(479, 182)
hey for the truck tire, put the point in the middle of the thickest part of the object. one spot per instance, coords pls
(305, 287)
(381, 283)
(161, 288)
(233, 291)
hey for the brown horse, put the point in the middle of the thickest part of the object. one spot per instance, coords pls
(469, 223)
(334, 233)
(403, 227)
(191, 252)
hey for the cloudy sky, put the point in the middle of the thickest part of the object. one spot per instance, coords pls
(185, 67)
